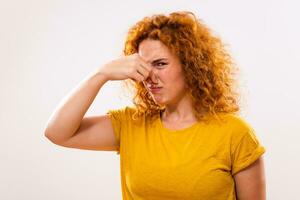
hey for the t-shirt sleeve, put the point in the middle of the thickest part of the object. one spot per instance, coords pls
(118, 118)
(246, 152)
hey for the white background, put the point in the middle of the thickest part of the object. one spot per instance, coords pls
(48, 47)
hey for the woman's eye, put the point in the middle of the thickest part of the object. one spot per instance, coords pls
(161, 64)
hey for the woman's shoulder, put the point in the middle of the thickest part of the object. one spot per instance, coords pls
(123, 110)
(127, 113)
(236, 122)
(238, 129)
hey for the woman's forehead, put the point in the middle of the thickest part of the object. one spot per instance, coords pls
(152, 50)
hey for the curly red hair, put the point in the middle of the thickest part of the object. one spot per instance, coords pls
(208, 68)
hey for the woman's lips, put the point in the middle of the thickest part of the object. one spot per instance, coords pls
(155, 89)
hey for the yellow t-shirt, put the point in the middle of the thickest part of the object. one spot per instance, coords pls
(194, 163)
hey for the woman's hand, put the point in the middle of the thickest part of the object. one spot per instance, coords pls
(132, 66)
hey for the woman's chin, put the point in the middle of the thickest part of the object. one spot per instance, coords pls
(159, 101)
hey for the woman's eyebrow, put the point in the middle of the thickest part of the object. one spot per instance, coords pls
(157, 60)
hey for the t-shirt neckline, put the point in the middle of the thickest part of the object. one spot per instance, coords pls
(162, 127)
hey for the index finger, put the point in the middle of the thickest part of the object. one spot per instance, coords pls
(145, 64)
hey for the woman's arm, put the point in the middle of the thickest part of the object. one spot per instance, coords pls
(67, 117)
(67, 125)
(250, 183)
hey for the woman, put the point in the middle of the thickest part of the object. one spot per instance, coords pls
(183, 138)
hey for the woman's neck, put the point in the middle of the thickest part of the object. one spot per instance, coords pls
(178, 113)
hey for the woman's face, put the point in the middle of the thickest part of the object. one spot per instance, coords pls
(166, 81)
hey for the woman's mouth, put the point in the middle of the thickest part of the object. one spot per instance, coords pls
(155, 89)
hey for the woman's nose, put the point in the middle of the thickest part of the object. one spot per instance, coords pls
(152, 78)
